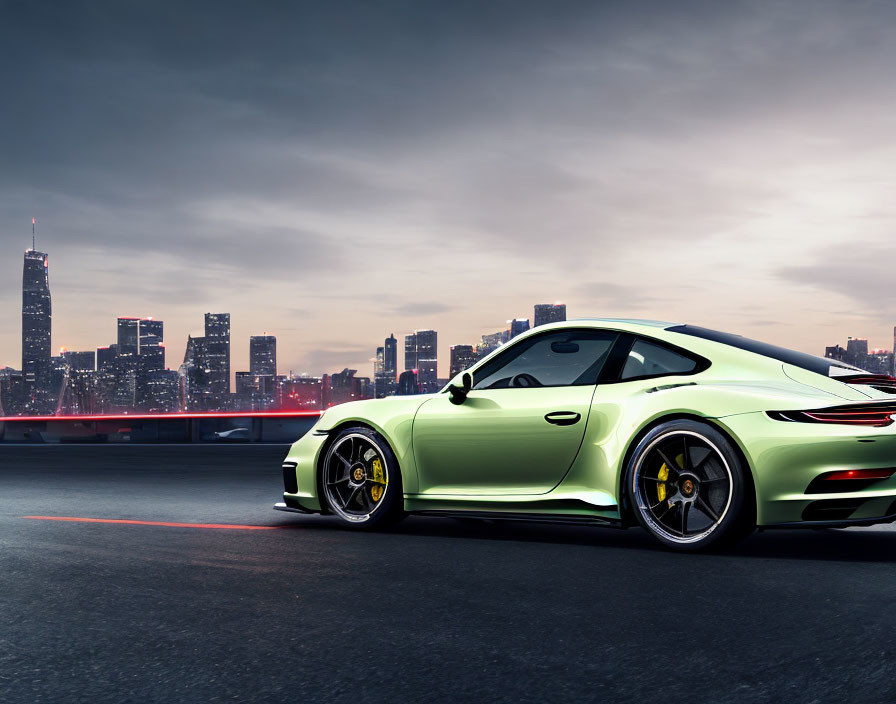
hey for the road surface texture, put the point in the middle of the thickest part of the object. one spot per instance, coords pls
(437, 610)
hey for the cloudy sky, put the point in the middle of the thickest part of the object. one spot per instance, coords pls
(333, 172)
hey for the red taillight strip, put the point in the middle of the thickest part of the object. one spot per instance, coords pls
(878, 420)
(868, 414)
(858, 474)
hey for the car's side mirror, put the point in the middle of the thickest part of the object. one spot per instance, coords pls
(459, 392)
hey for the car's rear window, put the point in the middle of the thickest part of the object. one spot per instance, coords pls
(819, 365)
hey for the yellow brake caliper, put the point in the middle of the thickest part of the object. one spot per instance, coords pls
(664, 475)
(661, 488)
(376, 491)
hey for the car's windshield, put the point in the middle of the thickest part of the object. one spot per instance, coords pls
(819, 365)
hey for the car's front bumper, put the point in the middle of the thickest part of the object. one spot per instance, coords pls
(291, 505)
(299, 475)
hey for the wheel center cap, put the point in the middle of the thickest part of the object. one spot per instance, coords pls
(358, 474)
(687, 487)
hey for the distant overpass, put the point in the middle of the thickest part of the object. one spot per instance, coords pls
(226, 427)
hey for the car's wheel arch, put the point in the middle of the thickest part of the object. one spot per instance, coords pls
(332, 433)
(626, 512)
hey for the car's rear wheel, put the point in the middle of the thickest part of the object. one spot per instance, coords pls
(361, 481)
(687, 486)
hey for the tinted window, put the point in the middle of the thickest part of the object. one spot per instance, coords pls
(566, 358)
(819, 365)
(648, 359)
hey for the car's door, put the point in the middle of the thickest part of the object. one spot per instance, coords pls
(521, 425)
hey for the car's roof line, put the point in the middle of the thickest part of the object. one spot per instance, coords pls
(629, 321)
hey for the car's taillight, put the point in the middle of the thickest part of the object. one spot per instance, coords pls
(853, 474)
(869, 414)
(844, 480)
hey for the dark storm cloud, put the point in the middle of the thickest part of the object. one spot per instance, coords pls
(151, 107)
(330, 151)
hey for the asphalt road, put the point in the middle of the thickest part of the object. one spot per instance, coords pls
(436, 610)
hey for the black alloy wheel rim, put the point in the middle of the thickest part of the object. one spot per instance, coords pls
(683, 486)
(356, 477)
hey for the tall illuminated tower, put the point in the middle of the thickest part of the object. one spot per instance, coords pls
(390, 357)
(217, 350)
(37, 316)
(263, 355)
(427, 359)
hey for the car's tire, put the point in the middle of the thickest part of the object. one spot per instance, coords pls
(360, 481)
(688, 487)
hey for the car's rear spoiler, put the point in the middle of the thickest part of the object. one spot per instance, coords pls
(881, 382)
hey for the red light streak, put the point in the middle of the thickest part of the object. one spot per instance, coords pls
(168, 524)
(164, 416)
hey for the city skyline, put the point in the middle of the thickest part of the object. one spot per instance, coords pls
(134, 332)
(692, 168)
(130, 375)
(40, 300)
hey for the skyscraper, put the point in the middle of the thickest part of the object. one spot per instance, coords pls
(37, 371)
(517, 326)
(390, 356)
(410, 351)
(856, 351)
(379, 377)
(462, 357)
(139, 351)
(427, 359)
(128, 337)
(263, 355)
(385, 366)
(151, 348)
(549, 313)
(194, 374)
(217, 350)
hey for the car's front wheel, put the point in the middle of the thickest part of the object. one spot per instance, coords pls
(687, 486)
(361, 481)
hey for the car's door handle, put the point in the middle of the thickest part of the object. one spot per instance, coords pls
(563, 417)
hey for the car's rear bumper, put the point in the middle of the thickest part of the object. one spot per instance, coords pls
(848, 523)
(786, 458)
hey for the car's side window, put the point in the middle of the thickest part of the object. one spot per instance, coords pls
(648, 359)
(563, 358)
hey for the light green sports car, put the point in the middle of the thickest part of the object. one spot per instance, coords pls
(696, 435)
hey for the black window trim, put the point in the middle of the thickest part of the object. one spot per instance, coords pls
(612, 371)
(612, 351)
(767, 350)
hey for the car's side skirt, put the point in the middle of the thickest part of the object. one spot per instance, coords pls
(561, 509)
(567, 519)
